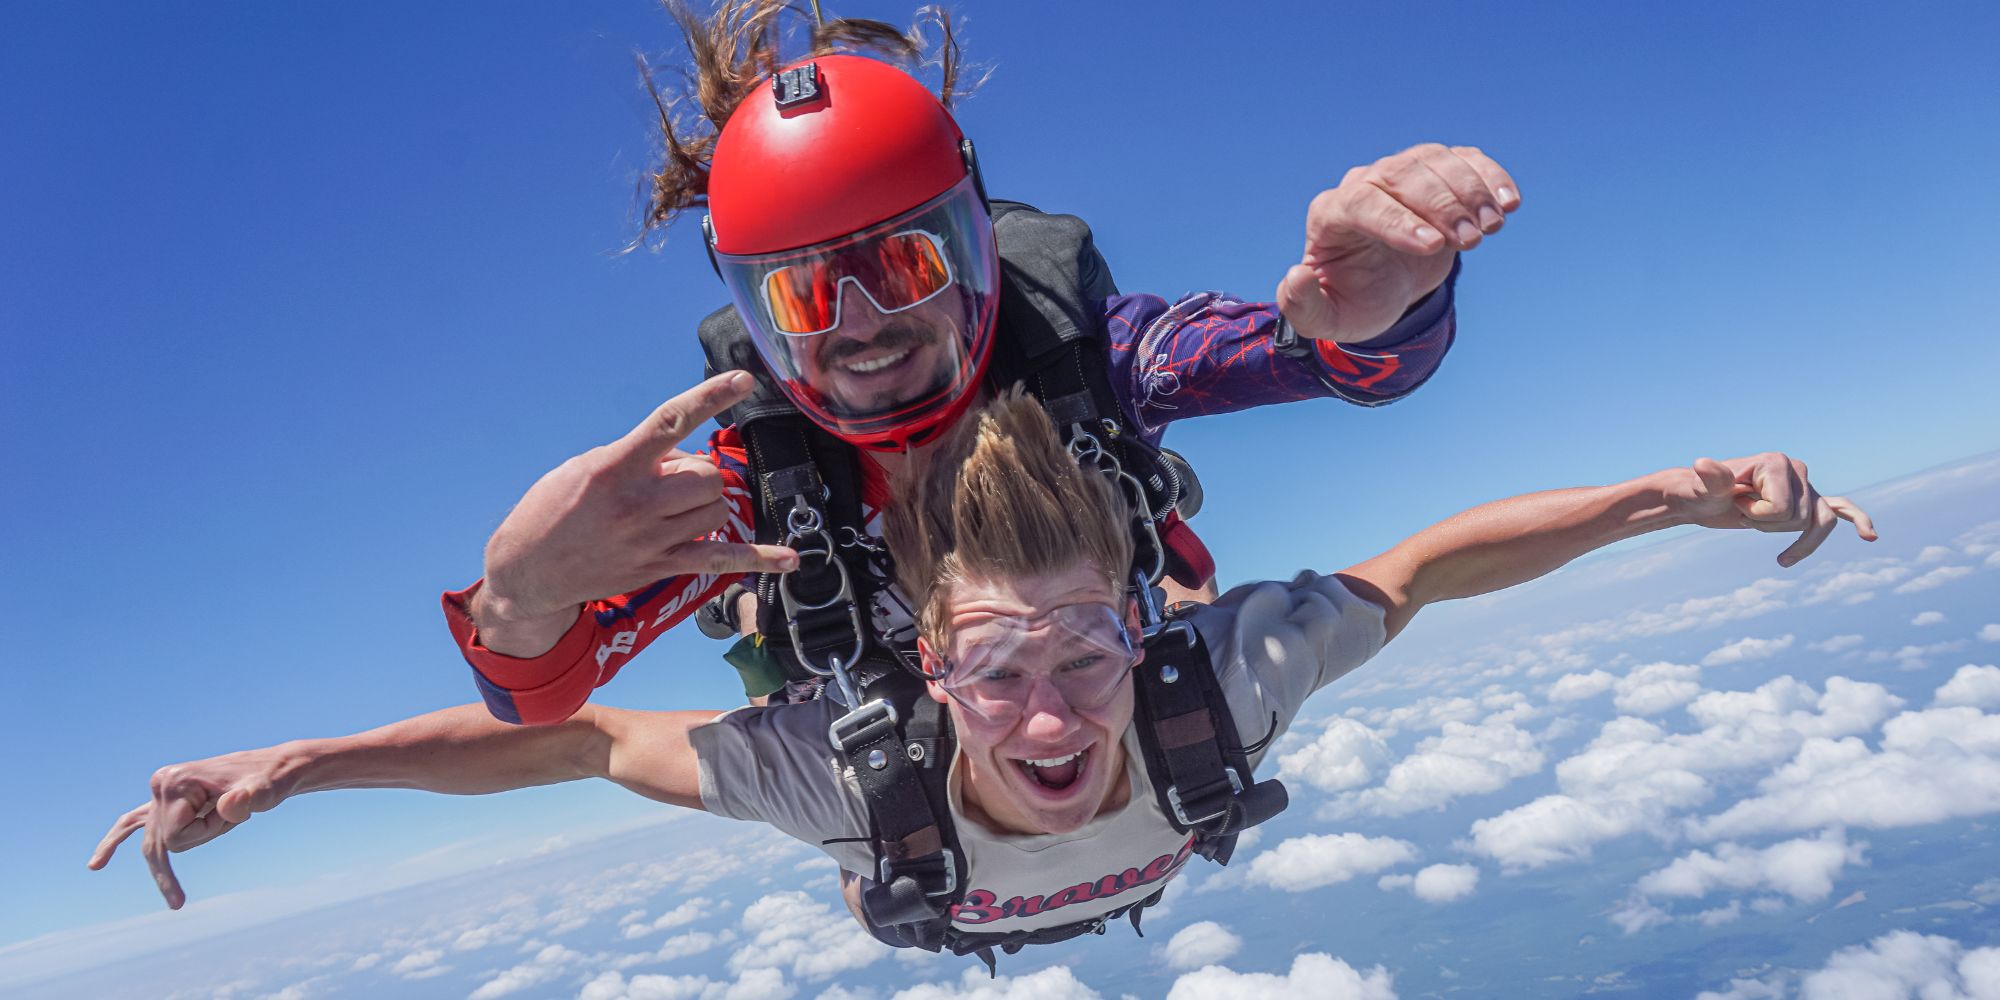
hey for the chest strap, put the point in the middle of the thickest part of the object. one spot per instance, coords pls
(899, 747)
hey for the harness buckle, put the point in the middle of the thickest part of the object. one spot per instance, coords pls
(862, 726)
(892, 870)
(1180, 810)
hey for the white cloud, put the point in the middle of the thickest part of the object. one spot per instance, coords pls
(546, 965)
(678, 946)
(1990, 633)
(1635, 775)
(1934, 765)
(792, 930)
(1425, 713)
(1199, 944)
(1635, 915)
(1577, 687)
(1906, 964)
(1934, 554)
(1313, 976)
(1347, 754)
(1657, 687)
(688, 912)
(1446, 883)
(1980, 539)
(1770, 988)
(1055, 983)
(1554, 828)
(1464, 759)
(1854, 585)
(1315, 860)
(420, 965)
(1972, 685)
(1934, 579)
(754, 984)
(1837, 643)
(1437, 883)
(1760, 597)
(1803, 869)
(1743, 650)
(1721, 914)
(1928, 618)
(1916, 657)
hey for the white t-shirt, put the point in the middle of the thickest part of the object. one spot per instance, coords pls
(1273, 644)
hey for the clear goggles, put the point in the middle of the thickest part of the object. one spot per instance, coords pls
(1083, 651)
(878, 325)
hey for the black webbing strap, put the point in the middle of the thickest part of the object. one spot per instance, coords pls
(795, 464)
(1200, 773)
(900, 757)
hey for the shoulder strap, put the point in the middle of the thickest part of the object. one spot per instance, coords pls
(1199, 769)
(899, 744)
(807, 490)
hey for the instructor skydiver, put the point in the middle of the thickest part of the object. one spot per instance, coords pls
(847, 217)
(1061, 820)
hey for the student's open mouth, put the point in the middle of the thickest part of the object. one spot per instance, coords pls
(1054, 777)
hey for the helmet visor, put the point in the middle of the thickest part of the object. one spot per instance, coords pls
(880, 328)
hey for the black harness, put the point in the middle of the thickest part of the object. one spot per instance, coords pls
(898, 742)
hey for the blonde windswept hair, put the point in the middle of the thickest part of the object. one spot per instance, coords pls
(1002, 498)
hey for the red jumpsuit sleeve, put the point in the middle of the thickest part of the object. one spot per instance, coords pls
(547, 689)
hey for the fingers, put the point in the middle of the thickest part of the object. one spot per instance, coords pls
(1817, 530)
(726, 558)
(232, 808)
(173, 808)
(177, 813)
(697, 523)
(1443, 190)
(686, 483)
(120, 830)
(1497, 179)
(1715, 478)
(682, 415)
(1848, 511)
(1475, 208)
(1370, 210)
(1782, 491)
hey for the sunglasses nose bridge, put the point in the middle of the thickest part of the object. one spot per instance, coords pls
(841, 286)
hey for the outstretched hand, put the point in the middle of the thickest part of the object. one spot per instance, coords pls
(621, 516)
(193, 804)
(1387, 236)
(1768, 492)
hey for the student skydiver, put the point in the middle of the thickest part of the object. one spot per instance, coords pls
(1057, 817)
(878, 294)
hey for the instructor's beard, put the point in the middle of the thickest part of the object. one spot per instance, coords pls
(922, 358)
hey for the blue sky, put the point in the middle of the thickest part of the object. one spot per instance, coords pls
(295, 302)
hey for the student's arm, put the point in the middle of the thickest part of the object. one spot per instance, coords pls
(1512, 541)
(457, 751)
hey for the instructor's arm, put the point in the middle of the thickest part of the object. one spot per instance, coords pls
(458, 751)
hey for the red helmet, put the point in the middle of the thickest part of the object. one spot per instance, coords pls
(847, 219)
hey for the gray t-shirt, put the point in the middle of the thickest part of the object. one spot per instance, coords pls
(1273, 643)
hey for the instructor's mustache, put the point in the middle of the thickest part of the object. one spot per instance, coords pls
(835, 349)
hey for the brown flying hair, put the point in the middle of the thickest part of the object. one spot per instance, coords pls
(1002, 498)
(741, 43)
